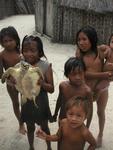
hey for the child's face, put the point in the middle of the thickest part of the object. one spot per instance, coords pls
(75, 116)
(9, 43)
(111, 43)
(30, 52)
(76, 77)
(83, 42)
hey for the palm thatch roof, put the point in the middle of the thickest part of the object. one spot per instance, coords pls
(100, 6)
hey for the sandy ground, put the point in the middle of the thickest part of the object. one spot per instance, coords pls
(10, 139)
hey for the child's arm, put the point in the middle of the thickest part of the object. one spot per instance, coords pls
(90, 139)
(90, 112)
(98, 75)
(41, 134)
(48, 83)
(104, 51)
(58, 104)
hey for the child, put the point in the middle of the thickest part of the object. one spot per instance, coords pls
(74, 70)
(108, 66)
(72, 132)
(32, 50)
(86, 40)
(10, 56)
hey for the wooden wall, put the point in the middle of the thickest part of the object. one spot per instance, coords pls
(7, 8)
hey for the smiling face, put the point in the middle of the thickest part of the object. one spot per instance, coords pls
(30, 52)
(83, 42)
(76, 116)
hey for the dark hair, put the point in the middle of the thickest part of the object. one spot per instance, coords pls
(38, 41)
(78, 101)
(92, 36)
(110, 39)
(72, 63)
(10, 32)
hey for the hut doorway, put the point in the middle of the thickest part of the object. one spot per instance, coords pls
(48, 18)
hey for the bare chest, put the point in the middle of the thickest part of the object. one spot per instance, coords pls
(72, 140)
(71, 92)
(10, 60)
(93, 63)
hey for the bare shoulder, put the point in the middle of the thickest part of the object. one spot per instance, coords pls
(63, 84)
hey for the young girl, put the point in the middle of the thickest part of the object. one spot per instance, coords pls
(86, 40)
(74, 70)
(32, 50)
(10, 56)
(72, 132)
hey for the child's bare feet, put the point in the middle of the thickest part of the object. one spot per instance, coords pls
(99, 141)
(22, 129)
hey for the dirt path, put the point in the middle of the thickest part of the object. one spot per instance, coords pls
(10, 139)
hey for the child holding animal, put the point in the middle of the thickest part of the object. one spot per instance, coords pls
(74, 70)
(72, 133)
(10, 56)
(86, 40)
(32, 50)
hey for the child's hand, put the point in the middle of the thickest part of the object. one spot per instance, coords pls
(40, 82)
(11, 81)
(41, 134)
(111, 76)
(110, 66)
(104, 51)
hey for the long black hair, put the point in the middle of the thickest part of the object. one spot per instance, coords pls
(38, 41)
(10, 31)
(92, 36)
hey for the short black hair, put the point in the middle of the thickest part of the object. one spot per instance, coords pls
(10, 31)
(72, 63)
(38, 41)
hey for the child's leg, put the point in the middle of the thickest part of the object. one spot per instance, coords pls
(13, 93)
(22, 128)
(101, 105)
(30, 134)
(44, 126)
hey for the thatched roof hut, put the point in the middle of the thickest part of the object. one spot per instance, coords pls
(68, 16)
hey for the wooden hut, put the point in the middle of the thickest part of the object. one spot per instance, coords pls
(7, 8)
(61, 19)
(13, 7)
